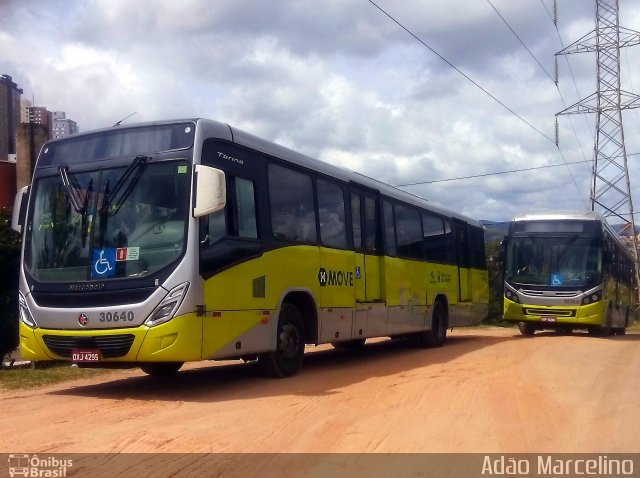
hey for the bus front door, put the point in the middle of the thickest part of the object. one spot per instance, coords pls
(371, 316)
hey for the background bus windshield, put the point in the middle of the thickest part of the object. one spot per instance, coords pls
(570, 260)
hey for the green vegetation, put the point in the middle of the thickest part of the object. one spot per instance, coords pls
(27, 378)
(496, 287)
(9, 266)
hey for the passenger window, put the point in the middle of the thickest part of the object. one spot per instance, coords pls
(478, 255)
(449, 243)
(333, 231)
(246, 209)
(356, 221)
(435, 243)
(389, 229)
(371, 224)
(238, 218)
(293, 216)
(409, 232)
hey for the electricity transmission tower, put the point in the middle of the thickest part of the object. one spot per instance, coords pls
(610, 187)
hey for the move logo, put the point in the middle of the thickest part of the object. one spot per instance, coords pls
(335, 278)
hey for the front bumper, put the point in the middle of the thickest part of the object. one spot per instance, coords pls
(178, 340)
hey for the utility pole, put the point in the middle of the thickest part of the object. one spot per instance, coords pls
(610, 186)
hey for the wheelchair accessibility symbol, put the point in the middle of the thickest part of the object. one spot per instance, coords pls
(556, 279)
(103, 262)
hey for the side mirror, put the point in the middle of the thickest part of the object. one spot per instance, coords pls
(19, 209)
(211, 190)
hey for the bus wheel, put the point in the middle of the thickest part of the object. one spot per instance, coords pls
(286, 360)
(527, 329)
(160, 368)
(437, 335)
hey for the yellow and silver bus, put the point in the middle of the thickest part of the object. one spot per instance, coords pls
(161, 243)
(566, 271)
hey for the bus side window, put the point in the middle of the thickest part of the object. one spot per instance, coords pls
(246, 209)
(356, 221)
(478, 255)
(389, 229)
(237, 219)
(449, 243)
(293, 214)
(409, 233)
(435, 241)
(371, 225)
(333, 230)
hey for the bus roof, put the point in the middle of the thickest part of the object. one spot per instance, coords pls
(281, 152)
(561, 216)
(206, 128)
(574, 216)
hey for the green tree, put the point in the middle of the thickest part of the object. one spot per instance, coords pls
(9, 266)
(496, 286)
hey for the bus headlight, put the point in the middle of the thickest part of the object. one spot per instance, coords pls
(511, 296)
(23, 310)
(591, 298)
(169, 305)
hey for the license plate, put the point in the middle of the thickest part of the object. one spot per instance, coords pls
(548, 319)
(85, 355)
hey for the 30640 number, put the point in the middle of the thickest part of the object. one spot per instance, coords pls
(123, 316)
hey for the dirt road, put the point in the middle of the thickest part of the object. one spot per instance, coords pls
(486, 390)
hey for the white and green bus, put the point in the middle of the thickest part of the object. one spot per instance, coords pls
(566, 271)
(161, 243)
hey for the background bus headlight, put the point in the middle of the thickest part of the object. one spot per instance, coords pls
(169, 305)
(511, 296)
(25, 315)
(591, 298)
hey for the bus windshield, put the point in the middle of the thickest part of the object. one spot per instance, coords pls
(108, 223)
(571, 260)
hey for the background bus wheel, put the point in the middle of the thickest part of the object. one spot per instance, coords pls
(437, 335)
(286, 360)
(161, 368)
(526, 328)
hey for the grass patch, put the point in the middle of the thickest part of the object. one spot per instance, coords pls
(27, 378)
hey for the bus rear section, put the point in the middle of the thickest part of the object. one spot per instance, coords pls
(564, 272)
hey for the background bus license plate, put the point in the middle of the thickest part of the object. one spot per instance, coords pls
(85, 355)
(548, 319)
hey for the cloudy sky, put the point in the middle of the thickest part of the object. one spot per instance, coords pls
(339, 80)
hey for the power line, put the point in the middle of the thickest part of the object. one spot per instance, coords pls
(555, 82)
(492, 174)
(423, 43)
(520, 40)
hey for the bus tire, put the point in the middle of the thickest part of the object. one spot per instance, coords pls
(156, 369)
(286, 360)
(527, 329)
(437, 334)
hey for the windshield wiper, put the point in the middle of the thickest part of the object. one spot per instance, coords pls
(119, 194)
(72, 187)
(85, 207)
(113, 199)
(70, 183)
